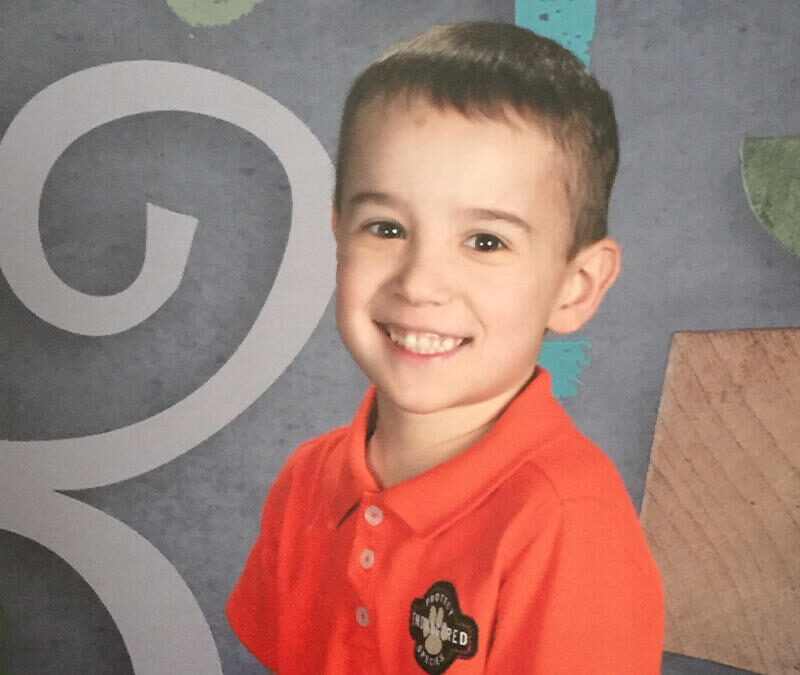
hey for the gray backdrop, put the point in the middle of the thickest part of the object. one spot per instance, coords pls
(690, 79)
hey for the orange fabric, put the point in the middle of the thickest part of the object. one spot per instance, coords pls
(527, 542)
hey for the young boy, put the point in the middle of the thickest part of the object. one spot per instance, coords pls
(460, 523)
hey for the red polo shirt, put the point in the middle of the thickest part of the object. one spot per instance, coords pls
(523, 554)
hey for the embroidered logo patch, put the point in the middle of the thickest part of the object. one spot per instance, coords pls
(441, 632)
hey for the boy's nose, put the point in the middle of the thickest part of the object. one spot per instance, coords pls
(422, 277)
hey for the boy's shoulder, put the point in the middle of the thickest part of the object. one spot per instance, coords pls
(588, 496)
(309, 450)
(577, 469)
(308, 473)
(313, 456)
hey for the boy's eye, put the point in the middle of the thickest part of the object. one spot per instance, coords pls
(386, 229)
(485, 242)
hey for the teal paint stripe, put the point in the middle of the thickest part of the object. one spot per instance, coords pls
(565, 360)
(569, 22)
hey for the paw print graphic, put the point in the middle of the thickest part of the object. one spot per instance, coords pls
(438, 643)
(433, 630)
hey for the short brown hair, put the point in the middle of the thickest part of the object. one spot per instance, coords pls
(482, 67)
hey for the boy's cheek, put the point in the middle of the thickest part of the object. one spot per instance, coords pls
(348, 260)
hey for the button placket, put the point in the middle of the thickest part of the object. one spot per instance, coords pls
(369, 534)
(373, 515)
(367, 558)
(362, 617)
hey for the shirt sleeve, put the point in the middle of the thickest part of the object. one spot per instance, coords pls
(584, 597)
(252, 608)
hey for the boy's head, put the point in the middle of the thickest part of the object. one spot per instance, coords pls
(485, 69)
(474, 168)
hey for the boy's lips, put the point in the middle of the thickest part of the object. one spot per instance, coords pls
(422, 341)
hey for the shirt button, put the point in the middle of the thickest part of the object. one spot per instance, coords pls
(362, 616)
(373, 515)
(367, 558)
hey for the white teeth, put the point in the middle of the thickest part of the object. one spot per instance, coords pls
(423, 343)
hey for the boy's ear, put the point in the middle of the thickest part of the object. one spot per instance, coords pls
(590, 275)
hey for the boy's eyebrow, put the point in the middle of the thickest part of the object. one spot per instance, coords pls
(478, 213)
(366, 196)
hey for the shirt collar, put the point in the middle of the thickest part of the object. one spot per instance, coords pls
(431, 500)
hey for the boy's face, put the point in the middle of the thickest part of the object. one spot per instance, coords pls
(451, 236)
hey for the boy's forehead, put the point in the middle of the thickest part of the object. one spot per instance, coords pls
(382, 114)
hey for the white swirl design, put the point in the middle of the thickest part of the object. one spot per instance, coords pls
(141, 589)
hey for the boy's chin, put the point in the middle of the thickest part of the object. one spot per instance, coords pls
(430, 401)
(417, 402)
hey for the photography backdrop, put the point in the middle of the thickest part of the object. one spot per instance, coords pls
(166, 331)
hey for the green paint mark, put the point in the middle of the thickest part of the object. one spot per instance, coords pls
(771, 177)
(211, 12)
(569, 22)
(564, 360)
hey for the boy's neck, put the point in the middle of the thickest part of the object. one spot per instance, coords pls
(405, 444)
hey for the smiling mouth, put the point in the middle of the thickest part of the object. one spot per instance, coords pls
(423, 342)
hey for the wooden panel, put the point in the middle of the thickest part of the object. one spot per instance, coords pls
(721, 508)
